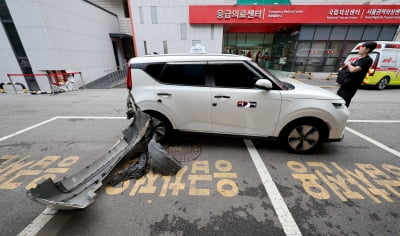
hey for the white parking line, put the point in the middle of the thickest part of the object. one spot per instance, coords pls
(27, 129)
(374, 121)
(373, 141)
(61, 117)
(285, 217)
(93, 117)
(39, 222)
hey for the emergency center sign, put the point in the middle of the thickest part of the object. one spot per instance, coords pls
(307, 14)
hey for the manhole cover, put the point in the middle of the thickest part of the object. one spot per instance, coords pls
(184, 152)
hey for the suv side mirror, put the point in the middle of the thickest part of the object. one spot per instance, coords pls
(263, 84)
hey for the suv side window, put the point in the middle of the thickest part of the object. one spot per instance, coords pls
(233, 75)
(184, 74)
(153, 69)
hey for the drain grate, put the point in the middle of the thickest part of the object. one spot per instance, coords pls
(184, 152)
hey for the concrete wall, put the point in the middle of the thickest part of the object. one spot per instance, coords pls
(170, 20)
(62, 35)
(158, 23)
(116, 7)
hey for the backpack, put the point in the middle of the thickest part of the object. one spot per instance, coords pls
(343, 76)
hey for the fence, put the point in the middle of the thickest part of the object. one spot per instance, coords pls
(117, 76)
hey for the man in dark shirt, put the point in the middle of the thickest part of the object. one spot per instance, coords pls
(358, 70)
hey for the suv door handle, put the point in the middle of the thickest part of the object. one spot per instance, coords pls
(164, 94)
(221, 96)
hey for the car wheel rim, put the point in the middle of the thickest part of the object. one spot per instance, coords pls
(383, 83)
(303, 138)
(158, 128)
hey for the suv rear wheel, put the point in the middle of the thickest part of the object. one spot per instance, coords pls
(302, 136)
(161, 126)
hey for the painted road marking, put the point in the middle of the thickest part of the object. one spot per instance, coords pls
(27, 129)
(289, 225)
(285, 217)
(374, 121)
(59, 117)
(373, 141)
(37, 224)
(93, 117)
(322, 180)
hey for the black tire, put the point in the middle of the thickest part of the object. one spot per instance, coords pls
(302, 136)
(161, 126)
(383, 83)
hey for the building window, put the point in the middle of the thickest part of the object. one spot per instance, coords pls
(388, 32)
(322, 32)
(154, 18)
(126, 8)
(307, 32)
(338, 32)
(371, 32)
(183, 31)
(355, 32)
(165, 45)
(141, 15)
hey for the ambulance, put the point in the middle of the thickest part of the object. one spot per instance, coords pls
(385, 70)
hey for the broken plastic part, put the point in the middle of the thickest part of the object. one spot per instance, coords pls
(78, 191)
(134, 171)
(160, 161)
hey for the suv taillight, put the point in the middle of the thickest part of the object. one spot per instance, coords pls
(128, 77)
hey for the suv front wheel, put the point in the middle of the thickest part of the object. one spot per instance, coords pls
(301, 136)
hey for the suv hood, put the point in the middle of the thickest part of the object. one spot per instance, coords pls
(304, 91)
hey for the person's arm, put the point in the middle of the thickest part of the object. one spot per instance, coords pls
(353, 69)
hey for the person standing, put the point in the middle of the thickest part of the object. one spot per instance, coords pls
(266, 59)
(248, 54)
(358, 70)
(258, 55)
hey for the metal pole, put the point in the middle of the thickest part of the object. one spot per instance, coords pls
(51, 87)
(80, 74)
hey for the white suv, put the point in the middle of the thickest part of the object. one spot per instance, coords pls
(230, 94)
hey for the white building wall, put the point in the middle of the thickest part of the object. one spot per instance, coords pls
(172, 23)
(64, 35)
(116, 7)
(172, 20)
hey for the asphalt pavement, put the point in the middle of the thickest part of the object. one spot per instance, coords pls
(227, 186)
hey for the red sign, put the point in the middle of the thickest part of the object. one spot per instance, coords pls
(295, 14)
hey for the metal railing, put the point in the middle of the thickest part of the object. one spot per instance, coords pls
(116, 76)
